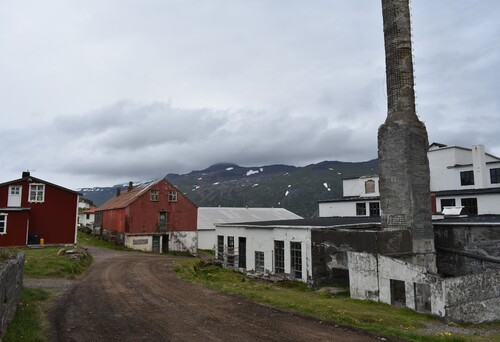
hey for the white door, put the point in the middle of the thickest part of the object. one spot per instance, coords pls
(15, 192)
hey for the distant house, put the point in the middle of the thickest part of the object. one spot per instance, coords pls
(87, 217)
(460, 177)
(33, 210)
(209, 216)
(151, 217)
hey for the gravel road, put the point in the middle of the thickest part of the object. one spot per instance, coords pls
(135, 297)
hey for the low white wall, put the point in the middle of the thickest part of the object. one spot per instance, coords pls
(183, 241)
(140, 243)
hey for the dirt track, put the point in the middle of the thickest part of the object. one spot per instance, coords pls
(135, 297)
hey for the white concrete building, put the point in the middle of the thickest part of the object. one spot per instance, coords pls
(209, 216)
(459, 177)
(87, 217)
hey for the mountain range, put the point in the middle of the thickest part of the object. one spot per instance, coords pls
(297, 189)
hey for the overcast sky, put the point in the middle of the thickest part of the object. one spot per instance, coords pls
(95, 93)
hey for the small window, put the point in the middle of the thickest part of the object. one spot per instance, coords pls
(259, 261)
(172, 196)
(3, 223)
(369, 186)
(374, 209)
(230, 251)
(467, 178)
(296, 259)
(220, 247)
(447, 202)
(37, 193)
(87, 216)
(279, 256)
(360, 209)
(470, 206)
(495, 176)
(15, 190)
(154, 195)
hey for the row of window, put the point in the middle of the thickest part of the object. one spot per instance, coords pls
(373, 207)
(36, 194)
(467, 177)
(469, 204)
(279, 255)
(154, 195)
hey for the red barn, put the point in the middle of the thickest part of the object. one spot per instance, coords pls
(151, 217)
(32, 210)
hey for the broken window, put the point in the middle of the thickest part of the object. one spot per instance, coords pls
(296, 259)
(172, 196)
(422, 297)
(369, 186)
(361, 209)
(470, 205)
(279, 256)
(154, 195)
(259, 261)
(398, 293)
(467, 178)
(242, 247)
(220, 247)
(374, 209)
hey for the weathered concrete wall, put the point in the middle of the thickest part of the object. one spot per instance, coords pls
(183, 242)
(329, 247)
(458, 244)
(11, 283)
(474, 298)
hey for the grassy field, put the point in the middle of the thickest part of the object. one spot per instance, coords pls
(27, 324)
(91, 240)
(371, 316)
(46, 263)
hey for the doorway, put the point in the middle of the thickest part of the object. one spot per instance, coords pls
(156, 244)
(164, 244)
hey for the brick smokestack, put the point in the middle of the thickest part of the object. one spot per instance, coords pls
(402, 143)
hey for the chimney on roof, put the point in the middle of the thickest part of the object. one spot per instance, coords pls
(26, 174)
(130, 186)
(118, 192)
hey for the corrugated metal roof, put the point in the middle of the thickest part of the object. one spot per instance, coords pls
(207, 216)
(126, 197)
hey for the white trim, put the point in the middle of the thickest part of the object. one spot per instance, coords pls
(5, 224)
(76, 219)
(36, 194)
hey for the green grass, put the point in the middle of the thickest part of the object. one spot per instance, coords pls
(28, 322)
(94, 241)
(368, 315)
(45, 263)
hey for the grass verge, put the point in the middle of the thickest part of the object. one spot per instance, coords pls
(46, 263)
(92, 240)
(27, 324)
(367, 315)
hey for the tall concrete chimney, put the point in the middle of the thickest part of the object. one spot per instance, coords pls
(405, 196)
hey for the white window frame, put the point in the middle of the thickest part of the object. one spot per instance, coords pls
(172, 196)
(3, 221)
(154, 195)
(35, 188)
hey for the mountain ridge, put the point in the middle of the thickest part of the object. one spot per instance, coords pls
(297, 189)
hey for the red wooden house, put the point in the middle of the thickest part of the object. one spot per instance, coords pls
(151, 217)
(33, 210)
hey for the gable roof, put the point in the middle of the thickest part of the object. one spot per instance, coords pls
(208, 216)
(29, 178)
(127, 197)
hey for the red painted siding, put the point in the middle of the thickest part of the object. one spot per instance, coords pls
(16, 234)
(54, 219)
(143, 215)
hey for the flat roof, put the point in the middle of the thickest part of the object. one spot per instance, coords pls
(319, 222)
